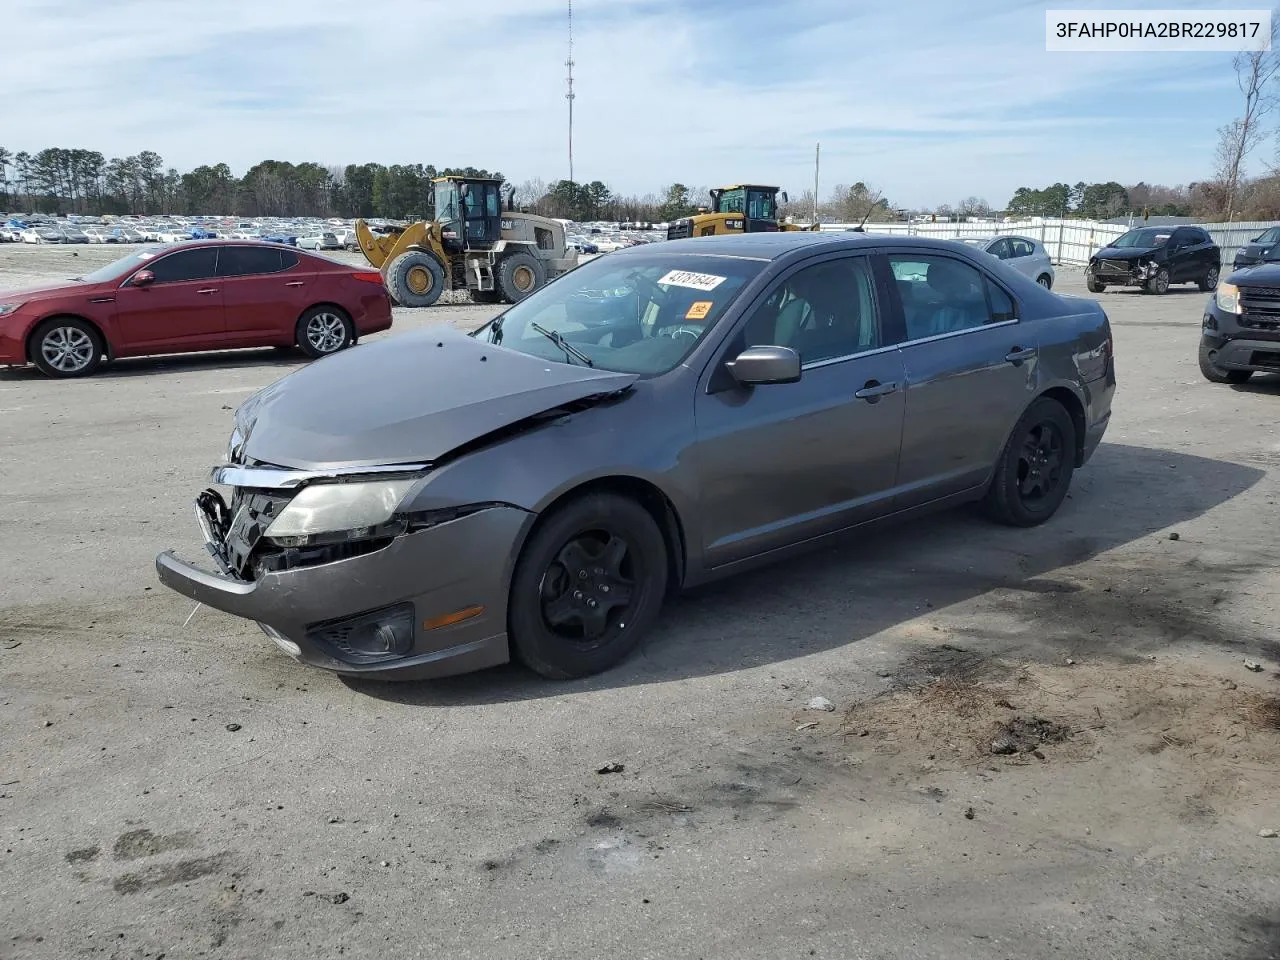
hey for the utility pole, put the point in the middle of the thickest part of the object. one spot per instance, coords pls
(817, 156)
(569, 95)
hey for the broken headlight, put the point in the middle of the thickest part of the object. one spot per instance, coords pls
(337, 512)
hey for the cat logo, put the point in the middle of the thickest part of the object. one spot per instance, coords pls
(508, 224)
(734, 224)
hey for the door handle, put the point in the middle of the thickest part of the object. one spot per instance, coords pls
(874, 390)
(1018, 354)
(208, 290)
(295, 283)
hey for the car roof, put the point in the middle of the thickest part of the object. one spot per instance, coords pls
(772, 246)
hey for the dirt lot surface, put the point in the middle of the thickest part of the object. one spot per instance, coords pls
(1042, 743)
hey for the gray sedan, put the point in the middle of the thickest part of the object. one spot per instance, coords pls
(435, 503)
(1027, 256)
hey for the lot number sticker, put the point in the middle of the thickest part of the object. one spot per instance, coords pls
(694, 281)
(699, 309)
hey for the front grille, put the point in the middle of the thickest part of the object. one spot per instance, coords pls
(251, 513)
(1114, 267)
(1260, 308)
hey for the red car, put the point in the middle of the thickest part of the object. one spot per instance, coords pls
(197, 295)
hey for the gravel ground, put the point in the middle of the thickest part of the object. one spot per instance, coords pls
(171, 785)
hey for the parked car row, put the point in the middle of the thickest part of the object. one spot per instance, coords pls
(309, 234)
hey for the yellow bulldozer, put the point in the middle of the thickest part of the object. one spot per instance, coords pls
(744, 208)
(473, 244)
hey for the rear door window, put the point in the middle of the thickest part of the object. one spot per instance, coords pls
(1021, 248)
(941, 295)
(248, 261)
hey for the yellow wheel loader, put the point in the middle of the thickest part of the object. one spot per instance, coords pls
(744, 208)
(499, 256)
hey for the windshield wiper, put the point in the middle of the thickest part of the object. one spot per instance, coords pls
(569, 349)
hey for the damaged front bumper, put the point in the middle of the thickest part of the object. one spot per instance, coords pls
(1123, 273)
(431, 602)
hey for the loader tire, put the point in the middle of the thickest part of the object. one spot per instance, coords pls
(415, 279)
(519, 274)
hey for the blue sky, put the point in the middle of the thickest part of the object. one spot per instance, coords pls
(928, 100)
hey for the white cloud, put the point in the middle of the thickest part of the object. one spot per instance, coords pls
(931, 101)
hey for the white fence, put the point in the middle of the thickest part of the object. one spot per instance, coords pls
(1069, 242)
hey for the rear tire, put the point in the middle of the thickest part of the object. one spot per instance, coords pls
(1094, 285)
(566, 615)
(1209, 281)
(323, 331)
(1034, 471)
(415, 279)
(519, 274)
(1045, 281)
(1216, 374)
(66, 347)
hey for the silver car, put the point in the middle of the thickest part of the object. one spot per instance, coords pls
(1027, 256)
(437, 502)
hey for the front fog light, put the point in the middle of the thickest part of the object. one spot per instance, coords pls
(379, 635)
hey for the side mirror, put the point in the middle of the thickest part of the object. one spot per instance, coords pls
(764, 365)
(143, 278)
(464, 190)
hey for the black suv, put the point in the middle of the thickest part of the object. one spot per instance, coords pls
(1261, 248)
(1153, 258)
(1240, 332)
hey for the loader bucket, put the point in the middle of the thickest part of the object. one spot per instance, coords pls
(375, 247)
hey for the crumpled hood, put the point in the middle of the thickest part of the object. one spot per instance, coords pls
(1125, 253)
(411, 398)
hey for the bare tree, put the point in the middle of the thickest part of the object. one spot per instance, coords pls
(1255, 71)
(973, 207)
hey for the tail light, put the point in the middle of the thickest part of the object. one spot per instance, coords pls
(368, 276)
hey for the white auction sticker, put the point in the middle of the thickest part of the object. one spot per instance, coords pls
(694, 281)
(1132, 31)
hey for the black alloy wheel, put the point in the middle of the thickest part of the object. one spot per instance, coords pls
(1034, 471)
(587, 586)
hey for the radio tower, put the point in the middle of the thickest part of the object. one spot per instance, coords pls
(569, 95)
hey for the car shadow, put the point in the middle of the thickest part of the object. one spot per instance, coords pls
(845, 594)
(177, 363)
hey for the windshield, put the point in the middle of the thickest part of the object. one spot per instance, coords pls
(630, 314)
(1147, 237)
(761, 205)
(446, 202)
(732, 201)
(1271, 236)
(122, 266)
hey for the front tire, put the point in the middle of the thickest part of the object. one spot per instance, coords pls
(1034, 471)
(415, 279)
(1216, 374)
(1209, 281)
(1093, 284)
(66, 347)
(588, 585)
(519, 274)
(323, 331)
(1158, 284)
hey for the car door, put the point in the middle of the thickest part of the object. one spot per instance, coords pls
(264, 292)
(778, 464)
(180, 310)
(1208, 256)
(1021, 257)
(970, 369)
